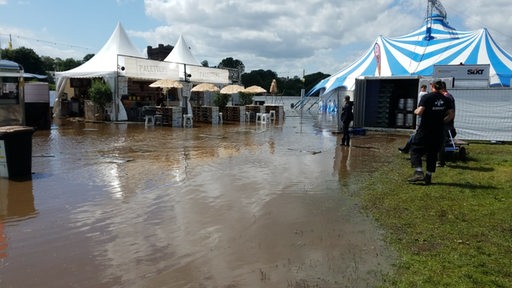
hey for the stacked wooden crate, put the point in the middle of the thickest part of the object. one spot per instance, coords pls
(171, 115)
(207, 114)
(234, 113)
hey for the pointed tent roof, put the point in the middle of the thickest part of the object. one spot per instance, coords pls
(181, 54)
(435, 43)
(105, 61)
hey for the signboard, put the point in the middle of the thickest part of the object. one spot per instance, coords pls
(146, 69)
(465, 72)
(464, 75)
(4, 173)
(208, 75)
(141, 68)
(37, 92)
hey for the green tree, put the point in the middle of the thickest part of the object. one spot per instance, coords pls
(87, 58)
(204, 63)
(221, 100)
(48, 63)
(67, 64)
(311, 80)
(290, 87)
(262, 78)
(100, 93)
(245, 99)
(232, 63)
(49, 68)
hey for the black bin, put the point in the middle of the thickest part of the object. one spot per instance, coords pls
(18, 151)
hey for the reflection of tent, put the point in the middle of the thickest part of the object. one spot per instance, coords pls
(103, 64)
(435, 43)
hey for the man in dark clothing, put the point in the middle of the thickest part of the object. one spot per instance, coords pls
(347, 116)
(435, 110)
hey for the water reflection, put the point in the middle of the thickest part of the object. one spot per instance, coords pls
(16, 204)
(214, 206)
(16, 200)
(3, 242)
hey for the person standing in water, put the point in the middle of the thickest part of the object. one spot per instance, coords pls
(347, 116)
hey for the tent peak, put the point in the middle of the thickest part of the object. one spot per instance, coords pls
(181, 53)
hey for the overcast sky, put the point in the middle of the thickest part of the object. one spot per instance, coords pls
(285, 36)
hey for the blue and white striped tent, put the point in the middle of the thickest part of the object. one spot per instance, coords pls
(415, 54)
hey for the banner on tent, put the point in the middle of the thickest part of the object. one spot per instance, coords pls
(465, 76)
(144, 68)
(208, 75)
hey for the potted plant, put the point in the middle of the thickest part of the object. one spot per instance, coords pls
(245, 99)
(221, 100)
(100, 95)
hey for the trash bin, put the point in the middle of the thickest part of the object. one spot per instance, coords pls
(16, 152)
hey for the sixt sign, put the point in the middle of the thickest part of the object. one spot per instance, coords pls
(463, 72)
(476, 71)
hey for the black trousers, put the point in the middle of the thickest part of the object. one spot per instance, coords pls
(345, 140)
(426, 145)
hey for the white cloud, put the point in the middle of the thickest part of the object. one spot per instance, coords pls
(283, 36)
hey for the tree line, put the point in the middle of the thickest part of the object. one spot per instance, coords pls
(45, 65)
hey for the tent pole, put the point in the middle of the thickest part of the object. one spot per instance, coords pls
(116, 90)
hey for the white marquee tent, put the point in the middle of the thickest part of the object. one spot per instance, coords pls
(104, 64)
(119, 59)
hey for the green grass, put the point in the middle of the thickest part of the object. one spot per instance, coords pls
(454, 233)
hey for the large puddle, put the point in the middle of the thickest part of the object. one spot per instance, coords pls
(233, 205)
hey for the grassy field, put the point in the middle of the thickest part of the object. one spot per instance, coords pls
(456, 232)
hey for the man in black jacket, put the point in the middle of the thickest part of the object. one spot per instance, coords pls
(347, 116)
(435, 110)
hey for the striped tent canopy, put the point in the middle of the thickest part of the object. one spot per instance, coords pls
(415, 54)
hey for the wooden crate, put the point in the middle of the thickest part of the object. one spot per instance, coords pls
(206, 114)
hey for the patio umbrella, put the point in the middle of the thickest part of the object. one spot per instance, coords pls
(166, 83)
(273, 87)
(255, 89)
(231, 89)
(205, 87)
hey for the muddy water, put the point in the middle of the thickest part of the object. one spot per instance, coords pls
(122, 205)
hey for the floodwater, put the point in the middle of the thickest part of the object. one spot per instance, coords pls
(233, 205)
